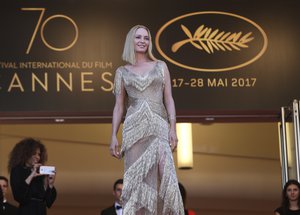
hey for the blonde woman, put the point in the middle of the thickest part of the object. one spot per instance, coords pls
(149, 131)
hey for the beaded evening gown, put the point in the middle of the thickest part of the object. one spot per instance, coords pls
(150, 182)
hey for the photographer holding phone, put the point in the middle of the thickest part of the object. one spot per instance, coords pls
(35, 192)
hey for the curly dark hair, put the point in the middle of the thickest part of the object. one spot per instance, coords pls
(285, 200)
(23, 151)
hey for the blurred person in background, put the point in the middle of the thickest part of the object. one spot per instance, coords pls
(6, 208)
(290, 204)
(116, 208)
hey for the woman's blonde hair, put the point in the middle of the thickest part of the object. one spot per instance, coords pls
(128, 51)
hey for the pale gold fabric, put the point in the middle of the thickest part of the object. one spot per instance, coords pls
(150, 181)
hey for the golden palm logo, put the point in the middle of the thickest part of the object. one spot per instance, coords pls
(201, 47)
(207, 39)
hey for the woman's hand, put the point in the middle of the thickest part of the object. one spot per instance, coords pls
(173, 140)
(51, 180)
(34, 173)
(114, 148)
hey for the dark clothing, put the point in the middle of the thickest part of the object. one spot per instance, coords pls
(8, 209)
(33, 198)
(189, 212)
(283, 211)
(1, 197)
(109, 211)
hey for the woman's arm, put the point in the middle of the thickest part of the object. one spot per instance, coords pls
(170, 106)
(20, 188)
(117, 115)
(51, 193)
(33, 173)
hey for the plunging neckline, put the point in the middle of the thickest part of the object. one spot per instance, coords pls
(142, 75)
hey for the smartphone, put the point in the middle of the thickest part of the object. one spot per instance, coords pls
(47, 170)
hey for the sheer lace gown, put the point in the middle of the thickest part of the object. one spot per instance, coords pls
(150, 182)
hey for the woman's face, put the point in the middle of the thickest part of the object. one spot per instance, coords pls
(141, 40)
(35, 158)
(292, 192)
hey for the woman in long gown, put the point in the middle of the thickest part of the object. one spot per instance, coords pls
(149, 130)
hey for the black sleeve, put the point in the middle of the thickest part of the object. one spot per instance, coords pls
(110, 210)
(1, 201)
(50, 196)
(1, 197)
(20, 189)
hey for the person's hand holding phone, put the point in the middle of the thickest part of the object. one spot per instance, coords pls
(51, 180)
(34, 173)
